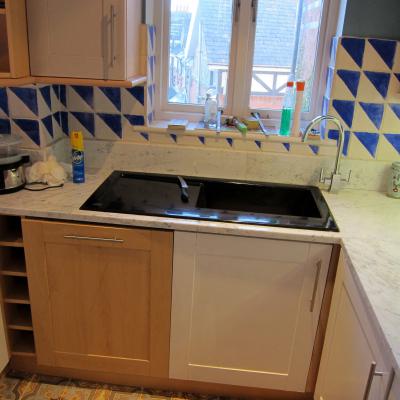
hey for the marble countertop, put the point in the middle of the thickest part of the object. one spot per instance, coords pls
(369, 224)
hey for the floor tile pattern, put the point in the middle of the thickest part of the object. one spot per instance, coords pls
(21, 386)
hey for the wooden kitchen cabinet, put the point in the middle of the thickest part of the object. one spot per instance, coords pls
(14, 58)
(351, 347)
(94, 39)
(100, 296)
(245, 310)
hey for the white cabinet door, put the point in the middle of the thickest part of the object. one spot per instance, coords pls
(75, 38)
(350, 348)
(245, 310)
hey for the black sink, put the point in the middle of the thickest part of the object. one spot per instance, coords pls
(261, 199)
(213, 200)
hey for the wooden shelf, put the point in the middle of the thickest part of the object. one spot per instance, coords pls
(12, 261)
(22, 343)
(12, 241)
(15, 290)
(10, 231)
(2, 11)
(20, 319)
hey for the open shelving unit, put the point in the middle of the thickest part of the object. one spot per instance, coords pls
(14, 288)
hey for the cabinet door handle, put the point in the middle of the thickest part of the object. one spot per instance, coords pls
(113, 17)
(100, 239)
(372, 373)
(316, 280)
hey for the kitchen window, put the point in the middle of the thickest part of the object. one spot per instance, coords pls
(243, 52)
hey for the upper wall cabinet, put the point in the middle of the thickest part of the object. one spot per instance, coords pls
(94, 39)
(14, 60)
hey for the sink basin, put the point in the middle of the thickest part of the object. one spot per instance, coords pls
(261, 199)
(290, 206)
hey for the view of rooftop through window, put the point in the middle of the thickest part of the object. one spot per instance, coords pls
(286, 40)
(200, 41)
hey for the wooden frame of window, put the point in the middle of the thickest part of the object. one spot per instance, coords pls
(241, 64)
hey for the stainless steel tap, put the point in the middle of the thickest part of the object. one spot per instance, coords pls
(335, 179)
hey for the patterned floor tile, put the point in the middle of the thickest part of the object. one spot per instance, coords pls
(10, 388)
(22, 386)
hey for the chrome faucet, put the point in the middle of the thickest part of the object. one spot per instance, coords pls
(335, 180)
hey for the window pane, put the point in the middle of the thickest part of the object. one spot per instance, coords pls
(285, 44)
(200, 42)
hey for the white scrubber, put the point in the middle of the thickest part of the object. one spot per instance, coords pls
(49, 172)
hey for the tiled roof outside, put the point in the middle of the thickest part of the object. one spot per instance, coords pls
(274, 40)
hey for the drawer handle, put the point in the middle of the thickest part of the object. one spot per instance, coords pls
(372, 373)
(316, 280)
(113, 240)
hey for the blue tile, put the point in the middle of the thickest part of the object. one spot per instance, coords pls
(28, 96)
(63, 95)
(396, 109)
(30, 128)
(152, 34)
(334, 134)
(86, 119)
(86, 92)
(56, 89)
(394, 140)
(113, 121)
(57, 117)
(114, 95)
(374, 112)
(174, 137)
(286, 146)
(5, 126)
(355, 47)
(45, 91)
(333, 49)
(230, 141)
(386, 49)
(258, 143)
(48, 123)
(369, 141)
(4, 101)
(150, 93)
(138, 93)
(145, 135)
(397, 76)
(64, 122)
(314, 148)
(351, 79)
(202, 139)
(345, 109)
(380, 80)
(135, 119)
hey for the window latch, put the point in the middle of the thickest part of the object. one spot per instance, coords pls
(236, 11)
(254, 6)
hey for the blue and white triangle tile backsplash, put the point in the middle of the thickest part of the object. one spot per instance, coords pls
(365, 96)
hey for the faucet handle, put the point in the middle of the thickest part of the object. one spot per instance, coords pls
(322, 178)
(348, 177)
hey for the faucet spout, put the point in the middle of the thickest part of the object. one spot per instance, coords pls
(335, 177)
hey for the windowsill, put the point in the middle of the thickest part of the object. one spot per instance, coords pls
(192, 130)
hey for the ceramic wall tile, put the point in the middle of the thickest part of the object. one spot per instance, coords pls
(365, 95)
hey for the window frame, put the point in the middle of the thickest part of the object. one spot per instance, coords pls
(241, 64)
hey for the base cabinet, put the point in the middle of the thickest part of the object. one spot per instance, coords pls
(101, 296)
(351, 348)
(245, 310)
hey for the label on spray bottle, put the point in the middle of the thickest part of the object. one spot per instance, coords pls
(78, 158)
